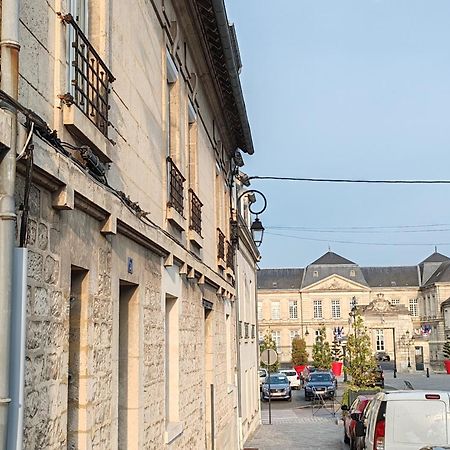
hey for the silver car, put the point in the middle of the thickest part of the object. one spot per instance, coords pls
(280, 388)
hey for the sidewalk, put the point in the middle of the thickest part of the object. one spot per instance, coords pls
(437, 381)
(298, 429)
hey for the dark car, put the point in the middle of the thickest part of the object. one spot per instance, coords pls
(351, 415)
(320, 383)
(382, 356)
(280, 388)
(379, 377)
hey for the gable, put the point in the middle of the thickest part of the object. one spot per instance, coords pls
(336, 283)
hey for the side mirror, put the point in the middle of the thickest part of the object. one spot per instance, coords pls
(344, 407)
(360, 429)
(355, 416)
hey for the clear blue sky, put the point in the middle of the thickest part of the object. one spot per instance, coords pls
(350, 89)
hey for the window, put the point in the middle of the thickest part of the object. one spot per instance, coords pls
(315, 273)
(88, 75)
(317, 308)
(275, 310)
(413, 307)
(293, 310)
(379, 340)
(352, 273)
(260, 317)
(336, 309)
(294, 334)
(395, 301)
(316, 334)
(276, 337)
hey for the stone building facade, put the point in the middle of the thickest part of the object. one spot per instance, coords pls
(397, 304)
(132, 317)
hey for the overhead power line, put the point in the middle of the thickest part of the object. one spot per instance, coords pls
(347, 180)
(393, 244)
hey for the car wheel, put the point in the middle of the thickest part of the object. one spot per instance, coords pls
(346, 438)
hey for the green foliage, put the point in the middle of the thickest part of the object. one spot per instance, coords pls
(299, 353)
(268, 342)
(336, 350)
(362, 364)
(446, 349)
(321, 352)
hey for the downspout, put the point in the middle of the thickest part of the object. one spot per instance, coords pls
(9, 48)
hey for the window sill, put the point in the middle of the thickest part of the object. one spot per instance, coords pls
(175, 218)
(173, 430)
(195, 238)
(221, 263)
(81, 127)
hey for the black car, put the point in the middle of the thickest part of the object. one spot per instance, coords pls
(320, 383)
(382, 356)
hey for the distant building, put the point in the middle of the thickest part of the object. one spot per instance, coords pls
(395, 302)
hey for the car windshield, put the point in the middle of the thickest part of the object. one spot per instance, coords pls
(277, 379)
(320, 377)
(290, 373)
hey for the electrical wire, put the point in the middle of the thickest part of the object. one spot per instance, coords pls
(30, 134)
(394, 244)
(347, 180)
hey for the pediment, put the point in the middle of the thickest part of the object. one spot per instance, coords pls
(336, 283)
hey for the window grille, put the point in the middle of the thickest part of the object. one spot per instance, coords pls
(336, 309)
(220, 245)
(175, 183)
(275, 310)
(317, 309)
(293, 309)
(90, 80)
(413, 309)
(195, 218)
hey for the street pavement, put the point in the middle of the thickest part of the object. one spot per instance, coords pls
(297, 426)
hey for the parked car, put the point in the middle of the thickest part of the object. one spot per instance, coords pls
(280, 387)
(382, 356)
(262, 376)
(293, 377)
(320, 383)
(406, 420)
(379, 377)
(351, 415)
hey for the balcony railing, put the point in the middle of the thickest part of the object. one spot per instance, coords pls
(220, 245)
(90, 78)
(195, 218)
(230, 254)
(176, 190)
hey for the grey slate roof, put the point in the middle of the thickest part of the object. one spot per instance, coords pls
(435, 268)
(391, 276)
(279, 278)
(441, 274)
(435, 257)
(331, 258)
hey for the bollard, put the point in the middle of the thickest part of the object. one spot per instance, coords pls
(428, 372)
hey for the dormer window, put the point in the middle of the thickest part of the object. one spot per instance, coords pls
(274, 284)
(316, 274)
(352, 273)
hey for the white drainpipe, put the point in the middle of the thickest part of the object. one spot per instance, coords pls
(9, 46)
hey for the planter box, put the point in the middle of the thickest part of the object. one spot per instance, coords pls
(336, 368)
(447, 365)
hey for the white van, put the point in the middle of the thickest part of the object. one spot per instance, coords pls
(406, 420)
(293, 377)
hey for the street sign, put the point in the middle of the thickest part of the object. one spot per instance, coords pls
(269, 356)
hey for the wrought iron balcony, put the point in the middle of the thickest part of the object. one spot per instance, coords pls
(230, 255)
(175, 185)
(220, 245)
(90, 78)
(195, 217)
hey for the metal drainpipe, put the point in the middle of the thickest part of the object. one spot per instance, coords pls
(9, 46)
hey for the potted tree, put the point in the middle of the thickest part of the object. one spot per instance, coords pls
(336, 353)
(446, 352)
(299, 355)
(321, 352)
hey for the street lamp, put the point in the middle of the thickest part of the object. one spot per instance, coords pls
(256, 227)
(407, 341)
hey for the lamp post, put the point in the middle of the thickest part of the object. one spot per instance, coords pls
(407, 341)
(256, 228)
